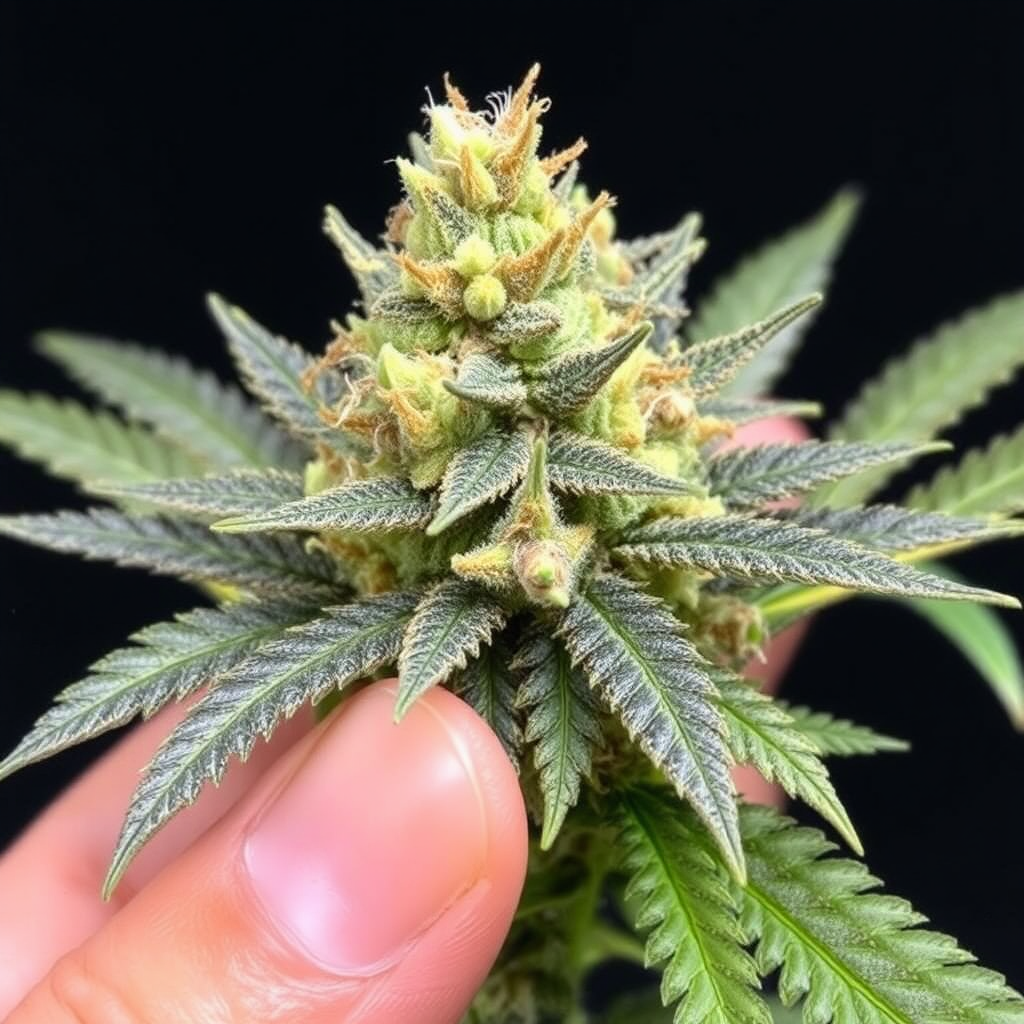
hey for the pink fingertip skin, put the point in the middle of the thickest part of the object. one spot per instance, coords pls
(379, 831)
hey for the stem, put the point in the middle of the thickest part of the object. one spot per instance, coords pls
(582, 924)
(540, 905)
(606, 942)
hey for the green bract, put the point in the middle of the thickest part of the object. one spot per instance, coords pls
(508, 474)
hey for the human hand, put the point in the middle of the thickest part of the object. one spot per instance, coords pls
(365, 872)
(362, 872)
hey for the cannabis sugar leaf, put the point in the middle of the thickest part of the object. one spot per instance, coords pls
(505, 473)
(563, 723)
(656, 682)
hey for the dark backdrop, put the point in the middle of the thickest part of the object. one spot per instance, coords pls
(153, 151)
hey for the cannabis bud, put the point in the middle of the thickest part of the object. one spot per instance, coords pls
(506, 474)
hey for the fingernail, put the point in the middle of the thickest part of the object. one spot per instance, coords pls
(378, 832)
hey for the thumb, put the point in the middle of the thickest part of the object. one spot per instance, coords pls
(371, 876)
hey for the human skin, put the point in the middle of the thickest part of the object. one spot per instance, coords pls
(356, 871)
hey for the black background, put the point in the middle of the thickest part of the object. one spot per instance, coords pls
(153, 151)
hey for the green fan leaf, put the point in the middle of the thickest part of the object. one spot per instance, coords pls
(749, 410)
(985, 482)
(373, 269)
(82, 445)
(562, 724)
(892, 528)
(179, 548)
(191, 407)
(273, 370)
(567, 383)
(302, 666)
(927, 390)
(489, 382)
(983, 639)
(793, 265)
(381, 503)
(487, 686)
(770, 550)
(170, 661)
(629, 646)
(686, 902)
(484, 470)
(664, 276)
(451, 623)
(582, 465)
(839, 737)
(237, 493)
(751, 476)
(717, 361)
(762, 734)
(855, 956)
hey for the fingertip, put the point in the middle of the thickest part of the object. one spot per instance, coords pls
(772, 430)
(372, 875)
(384, 827)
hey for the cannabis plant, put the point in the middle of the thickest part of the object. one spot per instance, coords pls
(508, 474)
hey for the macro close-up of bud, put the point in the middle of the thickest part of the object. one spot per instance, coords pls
(527, 468)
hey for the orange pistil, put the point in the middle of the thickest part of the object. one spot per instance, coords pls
(524, 276)
(337, 351)
(455, 97)
(511, 119)
(398, 221)
(556, 162)
(418, 427)
(658, 374)
(577, 230)
(707, 428)
(442, 283)
(509, 165)
(631, 318)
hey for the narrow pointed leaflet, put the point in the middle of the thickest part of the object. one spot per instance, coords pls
(629, 646)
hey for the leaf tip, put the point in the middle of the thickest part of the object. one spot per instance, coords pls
(549, 833)
(849, 198)
(440, 523)
(404, 700)
(231, 524)
(738, 866)
(46, 340)
(849, 833)
(118, 866)
(938, 445)
(9, 766)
